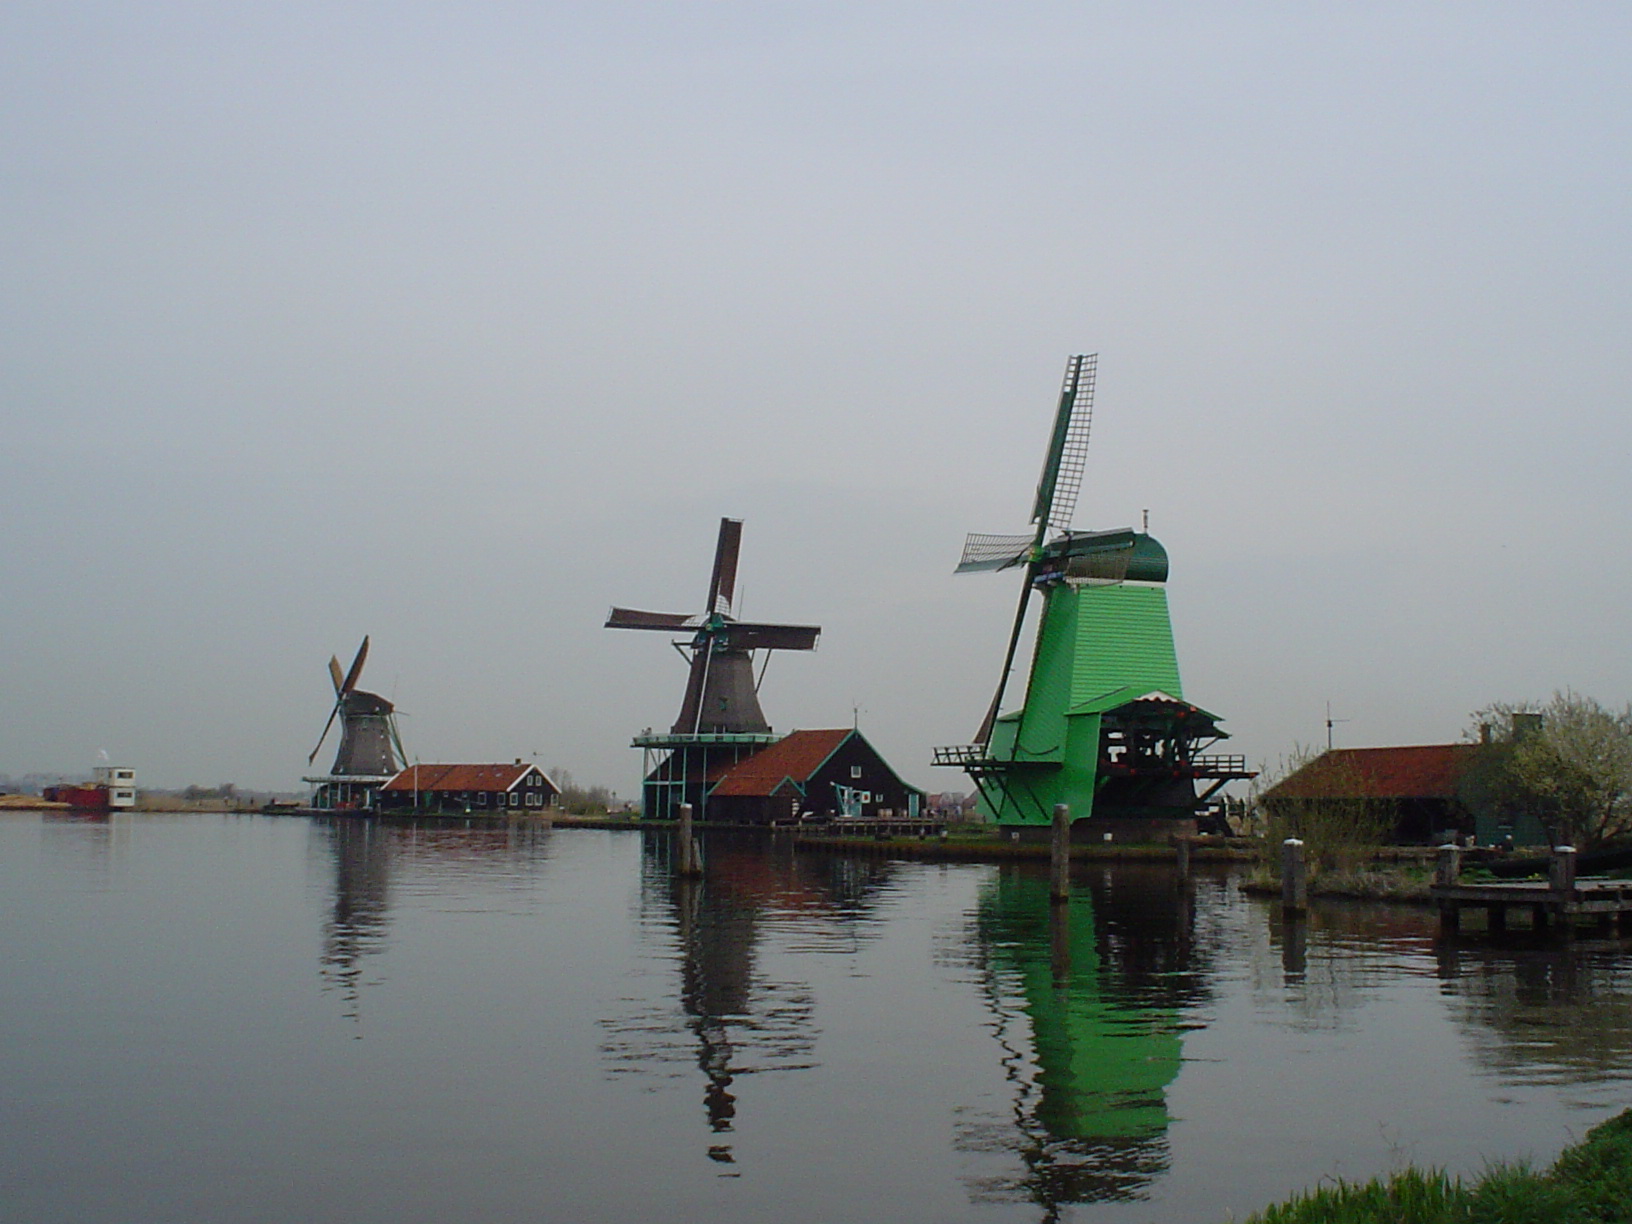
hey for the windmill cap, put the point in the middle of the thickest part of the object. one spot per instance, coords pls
(1149, 561)
(1133, 556)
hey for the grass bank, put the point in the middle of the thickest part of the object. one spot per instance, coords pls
(1590, 1183)
(1397, 881)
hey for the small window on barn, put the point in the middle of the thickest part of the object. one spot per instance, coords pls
(532, 800)
(855, 771)
(481, 798)
(514, 798)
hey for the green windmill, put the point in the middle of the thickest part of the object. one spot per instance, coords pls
(1104, 726)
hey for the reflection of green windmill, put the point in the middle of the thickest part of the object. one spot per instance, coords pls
(1094, 1114)
(1104, 726)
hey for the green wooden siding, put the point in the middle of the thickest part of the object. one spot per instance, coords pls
(1123, 638)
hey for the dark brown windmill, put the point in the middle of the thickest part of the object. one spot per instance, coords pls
(720, 717)
(722, 694)
(370, 750)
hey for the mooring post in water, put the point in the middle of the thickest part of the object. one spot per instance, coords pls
(1294, 877)
(1182, 844)
(1447, 870)
(1448, 867)
(1059, 855)
(689, 858)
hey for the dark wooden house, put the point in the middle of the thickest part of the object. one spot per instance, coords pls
(470, 789)
(811, 774)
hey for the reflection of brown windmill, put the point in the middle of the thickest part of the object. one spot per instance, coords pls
(722, 693)
(370, 748)
(720, 718)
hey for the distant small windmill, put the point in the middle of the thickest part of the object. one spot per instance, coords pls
(720, 716)
(1103, 725)
(370, 749)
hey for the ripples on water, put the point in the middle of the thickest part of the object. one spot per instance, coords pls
(511, 1023)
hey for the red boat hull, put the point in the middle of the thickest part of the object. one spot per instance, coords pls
(90, 798)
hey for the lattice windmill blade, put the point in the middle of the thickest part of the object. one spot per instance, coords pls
(722, 584)
(396, 739)
(667, 622)
(350, 681)
(1061, 480)
(750, 635)
(992, 552)
(336, 675)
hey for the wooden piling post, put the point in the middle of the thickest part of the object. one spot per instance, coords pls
(1183, 847)
(1561, 871)
(1561, 879)
(1294, 877)
(690, 863)
(1059, 857)
(1448, 868)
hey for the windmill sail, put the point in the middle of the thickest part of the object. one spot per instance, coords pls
(668, 622)
(992, 552)
(1056, 502)
(1067, 449)
(722, 584)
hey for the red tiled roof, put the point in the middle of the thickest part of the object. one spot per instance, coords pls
(461, 777)
(1418, 771)
(796, 755)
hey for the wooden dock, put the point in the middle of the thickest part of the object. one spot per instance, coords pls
(1560, 903)
(880, 828)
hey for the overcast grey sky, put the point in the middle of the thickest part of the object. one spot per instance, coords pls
(456, 324)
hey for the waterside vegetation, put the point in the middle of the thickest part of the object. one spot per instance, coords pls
(1565, 764)
(1590, 1183)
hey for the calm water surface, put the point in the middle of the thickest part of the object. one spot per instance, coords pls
(232, 1019)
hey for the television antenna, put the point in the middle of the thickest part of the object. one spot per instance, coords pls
(1330, 723)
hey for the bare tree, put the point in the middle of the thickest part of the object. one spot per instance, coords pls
(1322, 799)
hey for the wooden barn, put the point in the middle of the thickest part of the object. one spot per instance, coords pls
(469, 789)
(828, 773)
(1423, 787)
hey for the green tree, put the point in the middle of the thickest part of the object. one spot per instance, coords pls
(1567, 763)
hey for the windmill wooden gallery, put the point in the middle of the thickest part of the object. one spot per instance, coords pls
(1102, 724)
